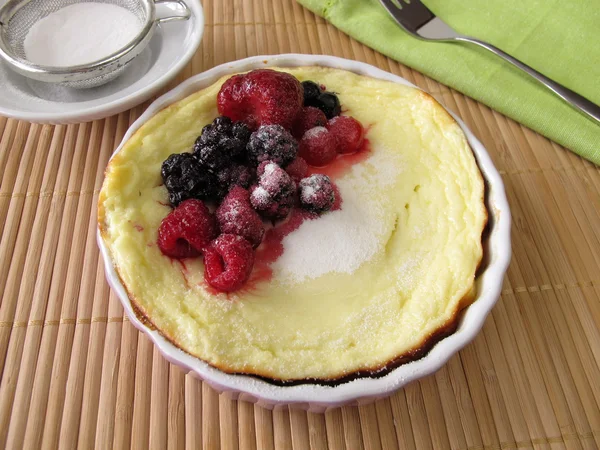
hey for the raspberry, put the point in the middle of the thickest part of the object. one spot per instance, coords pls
(186, 230)
(318, 147)
(220, 143)
(236, 216)
(185, 178)
(261, 97)
(228, 262)
(272, 143)
(308, 118)
(297, 169)
(349, 133)
(311, 91)
(317, 193)
(274, 195)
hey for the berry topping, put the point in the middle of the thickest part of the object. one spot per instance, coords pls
(308, 118)
(221, 142)
(236, 216)
(297, 169)
(237, 175)
(211, 156)
(186, 230)
(349, 133)
(261, 97)
(311, 91)
(228, 262)
(185, 178)
(327, 102)
(318, 147)
(268, 206)
(240, 130)
(273, 197)
(272, 143)
(274, 179)
(317, 193)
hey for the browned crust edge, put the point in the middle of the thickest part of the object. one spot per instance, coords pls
(378, 371)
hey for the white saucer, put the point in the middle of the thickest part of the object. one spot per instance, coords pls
(169, 50)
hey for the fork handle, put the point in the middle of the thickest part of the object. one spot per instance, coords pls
(575, 100)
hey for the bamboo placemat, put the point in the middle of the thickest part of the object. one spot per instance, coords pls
(76, 372)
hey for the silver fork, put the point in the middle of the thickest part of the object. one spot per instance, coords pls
(416, 19)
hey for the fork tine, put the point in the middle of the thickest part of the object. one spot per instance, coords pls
(411, 16)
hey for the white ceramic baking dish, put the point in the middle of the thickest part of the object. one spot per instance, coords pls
(317, 397)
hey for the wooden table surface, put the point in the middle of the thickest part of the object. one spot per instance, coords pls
(74, 371)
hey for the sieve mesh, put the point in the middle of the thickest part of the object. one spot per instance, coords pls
(32, 11)
(95, 81)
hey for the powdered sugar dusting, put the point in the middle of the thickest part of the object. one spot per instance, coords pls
(260, 195)
(270, 168)
(342, 240)
(314, 132)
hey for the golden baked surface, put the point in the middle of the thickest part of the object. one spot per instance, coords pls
(354, 289)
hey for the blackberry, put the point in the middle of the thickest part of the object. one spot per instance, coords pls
(240, 131)
(327, 102)
(316, 193)
(311, 91)
(221, 142)
(271, 143)
(275, 180)
(185, 178)
(274, 196)
(236, 175)
(213, 157)
(267, 206)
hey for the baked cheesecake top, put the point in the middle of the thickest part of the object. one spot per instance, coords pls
(361, 286)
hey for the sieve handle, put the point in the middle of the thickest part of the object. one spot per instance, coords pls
(178, 10)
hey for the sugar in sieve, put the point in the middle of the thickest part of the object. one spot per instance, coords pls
(18, 16)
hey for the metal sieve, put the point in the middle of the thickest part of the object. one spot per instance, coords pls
(18, 16)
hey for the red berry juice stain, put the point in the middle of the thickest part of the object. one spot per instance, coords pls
(337, 204)
(343, 163)
(136, 226)
(271, 247)
(184, 271)
(163, 204)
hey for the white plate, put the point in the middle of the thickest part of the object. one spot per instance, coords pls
(320, 397)
(169, 50)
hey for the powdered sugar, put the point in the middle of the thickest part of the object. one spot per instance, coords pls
(308, 191)
(342, 240)
(270, 168)
(260, 196)
(314, 132)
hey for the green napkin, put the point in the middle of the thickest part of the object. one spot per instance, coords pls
(558, 38)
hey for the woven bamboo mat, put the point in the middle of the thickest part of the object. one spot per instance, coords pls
(76, 372)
